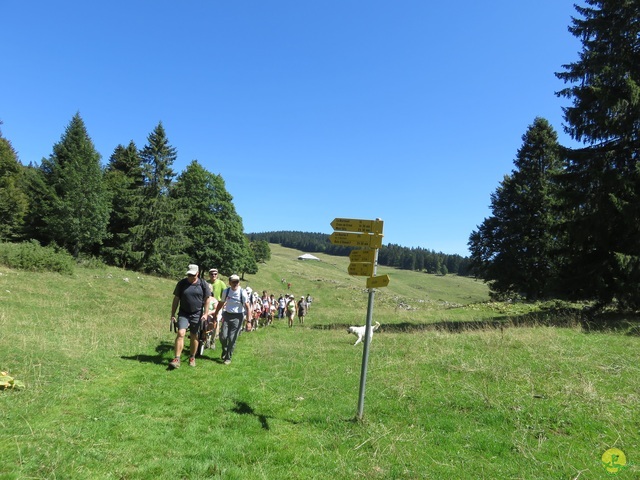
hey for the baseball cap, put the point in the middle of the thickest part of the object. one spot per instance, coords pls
(192, 269)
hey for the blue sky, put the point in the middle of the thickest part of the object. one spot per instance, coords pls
(410, 111)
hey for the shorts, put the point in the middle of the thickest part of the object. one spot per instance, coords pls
(194, 325)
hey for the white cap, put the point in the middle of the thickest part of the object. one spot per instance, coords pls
(192, 270)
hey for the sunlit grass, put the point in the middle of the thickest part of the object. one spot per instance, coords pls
(522, 403)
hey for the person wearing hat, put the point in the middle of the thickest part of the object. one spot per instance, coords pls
(193, 296)
(217, 285)
(302, 309)
(290, 308)
(234, 304)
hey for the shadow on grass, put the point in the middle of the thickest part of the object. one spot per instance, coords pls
(243, 408)
(157, 359)
(561, 318)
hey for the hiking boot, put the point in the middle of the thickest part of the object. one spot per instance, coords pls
(175, 363)
(192, 361)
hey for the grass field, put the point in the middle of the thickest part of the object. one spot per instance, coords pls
(528, 402)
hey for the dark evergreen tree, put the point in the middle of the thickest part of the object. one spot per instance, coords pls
(124, 181)
(77, 211)
(602, 186)
(158, 157)
(514, 248)
(14, 201)
(159, 240)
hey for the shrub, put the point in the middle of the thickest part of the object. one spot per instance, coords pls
(32, 256)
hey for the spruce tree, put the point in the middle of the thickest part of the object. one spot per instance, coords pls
(14, 201)
(77, 211)
(124, 181)
(159, 238)
(514, 248)
(601, 191)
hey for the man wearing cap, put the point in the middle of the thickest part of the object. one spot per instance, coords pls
(217, 285)
(234, 303)
(193, 295)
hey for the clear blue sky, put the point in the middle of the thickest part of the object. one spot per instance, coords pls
(407, 110)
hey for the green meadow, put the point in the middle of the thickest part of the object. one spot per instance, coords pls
(457, 387)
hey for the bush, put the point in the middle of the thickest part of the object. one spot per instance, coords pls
(32, 256)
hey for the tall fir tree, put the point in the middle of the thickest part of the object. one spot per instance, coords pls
(514, 248)
(14, 201)
(602, 186)
(215, 229)
(159, 240)
(77, 211)
(124, 181)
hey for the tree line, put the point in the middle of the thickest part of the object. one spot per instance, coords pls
(417, 259)
(565, 222)
(135, 213)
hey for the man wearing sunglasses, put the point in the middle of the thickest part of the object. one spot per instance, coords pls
(193, 295)
(217, 285)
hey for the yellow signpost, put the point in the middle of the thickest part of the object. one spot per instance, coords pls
(355, 225)
(361, 269)
(368, 255)
(351, 239)
(377, 282)
(354, 232)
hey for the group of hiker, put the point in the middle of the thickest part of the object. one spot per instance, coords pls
(230, 309)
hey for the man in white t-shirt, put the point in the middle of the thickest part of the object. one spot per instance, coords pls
(234, 304)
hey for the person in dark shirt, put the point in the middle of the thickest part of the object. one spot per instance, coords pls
(193, 295)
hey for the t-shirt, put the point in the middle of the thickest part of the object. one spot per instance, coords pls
(192, 297)
(235, 300)
(217, 287)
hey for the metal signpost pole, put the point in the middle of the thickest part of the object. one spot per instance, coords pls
(367, 342)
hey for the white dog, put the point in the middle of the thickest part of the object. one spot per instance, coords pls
(360, 331)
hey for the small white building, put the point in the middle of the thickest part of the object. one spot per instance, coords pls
(307, 256)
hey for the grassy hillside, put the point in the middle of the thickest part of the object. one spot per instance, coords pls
(410, 296)
(99, 402)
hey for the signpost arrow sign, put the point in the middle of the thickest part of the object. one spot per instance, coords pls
(356, 225)
(362, 256)
(377, 282)
(356, 239)
(361, 269)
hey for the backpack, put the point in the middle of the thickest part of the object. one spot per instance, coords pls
(243, 298)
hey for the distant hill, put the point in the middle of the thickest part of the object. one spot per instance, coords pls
(415, 259)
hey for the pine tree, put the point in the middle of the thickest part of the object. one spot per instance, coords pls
(14, 202)
(602, 186)
(124, 181)
(77, 212)
(514, 248)
(159, 240)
